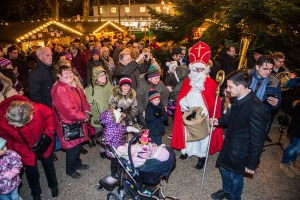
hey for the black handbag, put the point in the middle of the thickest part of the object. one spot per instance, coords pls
(41, 146)
(71, 131)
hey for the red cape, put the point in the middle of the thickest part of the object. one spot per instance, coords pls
(209, 96)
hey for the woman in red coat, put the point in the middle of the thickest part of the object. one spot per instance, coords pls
(70, 106)
(20, 116)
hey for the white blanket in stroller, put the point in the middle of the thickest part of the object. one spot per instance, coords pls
(140, 153)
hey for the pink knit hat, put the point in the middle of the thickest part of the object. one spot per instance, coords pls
(4, 62)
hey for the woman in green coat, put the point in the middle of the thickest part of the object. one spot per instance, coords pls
(97, 95)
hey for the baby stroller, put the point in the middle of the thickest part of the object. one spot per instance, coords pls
(143, 183)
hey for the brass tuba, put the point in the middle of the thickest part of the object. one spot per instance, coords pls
(244, 45)
(284, 77)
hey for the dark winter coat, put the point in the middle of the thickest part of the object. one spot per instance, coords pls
(41, 79)
(228, 63)
(80, 63)
(42, 122)
(127, 102)
(293, 129)
(182, 73)
(70, 105)
(131, 70)
(245, 135)
(155, 115)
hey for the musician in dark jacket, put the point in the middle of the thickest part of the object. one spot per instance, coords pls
(245, 136)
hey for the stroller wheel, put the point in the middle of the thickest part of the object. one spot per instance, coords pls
(99, 187)
(113, 196)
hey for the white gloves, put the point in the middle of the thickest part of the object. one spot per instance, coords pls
(132, 129)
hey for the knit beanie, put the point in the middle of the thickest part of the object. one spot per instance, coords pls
(153, 72)
(125, 80)
(153, 94)
(2, 143)
(95, 51)
(4, 62)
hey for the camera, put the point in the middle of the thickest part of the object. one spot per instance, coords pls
(145, 56)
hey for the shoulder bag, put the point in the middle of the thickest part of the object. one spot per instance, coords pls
(71, 131)
(41, 146)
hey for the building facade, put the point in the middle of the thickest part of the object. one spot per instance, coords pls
(134, 16)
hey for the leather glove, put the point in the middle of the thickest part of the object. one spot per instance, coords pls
(132, 129)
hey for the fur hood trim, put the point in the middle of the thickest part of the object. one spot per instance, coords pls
(7, 84)
(116, 91)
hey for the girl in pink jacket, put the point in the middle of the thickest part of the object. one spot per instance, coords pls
(10, 166)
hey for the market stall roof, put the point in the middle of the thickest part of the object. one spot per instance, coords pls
(95, 27)
(18, 31)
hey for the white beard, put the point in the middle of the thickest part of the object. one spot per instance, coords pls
(197, 81)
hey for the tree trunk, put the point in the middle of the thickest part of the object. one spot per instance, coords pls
(99, 11)
(55, 11)
(54, 6)
(86, 10)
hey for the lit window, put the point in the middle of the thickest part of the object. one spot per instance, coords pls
(157, 8)
(142, 9)
(113, 10)
(101, 10)
(126, 9)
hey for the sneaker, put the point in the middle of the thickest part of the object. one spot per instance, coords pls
(294, 168)
(286, 170)
(219, 195)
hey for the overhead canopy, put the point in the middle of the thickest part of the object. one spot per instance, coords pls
(18, 31)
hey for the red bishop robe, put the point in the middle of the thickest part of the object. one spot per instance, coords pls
(209, 96)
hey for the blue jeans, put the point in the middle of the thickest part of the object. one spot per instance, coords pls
(233, 183)
(157, 139)
(13, 195)
(292, 151)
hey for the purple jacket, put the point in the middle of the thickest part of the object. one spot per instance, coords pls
(113, 132)
(8, 161)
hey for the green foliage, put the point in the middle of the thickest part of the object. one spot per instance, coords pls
(274, 22)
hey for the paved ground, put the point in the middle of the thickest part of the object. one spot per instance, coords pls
(268, 182)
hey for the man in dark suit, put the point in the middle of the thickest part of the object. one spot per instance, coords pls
(245, 136)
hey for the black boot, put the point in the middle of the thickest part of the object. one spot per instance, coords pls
(84, 151)
(183, 156)
(201, 162)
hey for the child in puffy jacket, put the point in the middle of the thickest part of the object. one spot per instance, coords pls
(113, 134)
(155, 115)
(10, 166)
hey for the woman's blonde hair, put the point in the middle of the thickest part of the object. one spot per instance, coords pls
(19, 113)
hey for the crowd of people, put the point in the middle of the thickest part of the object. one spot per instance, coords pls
(116, 88)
